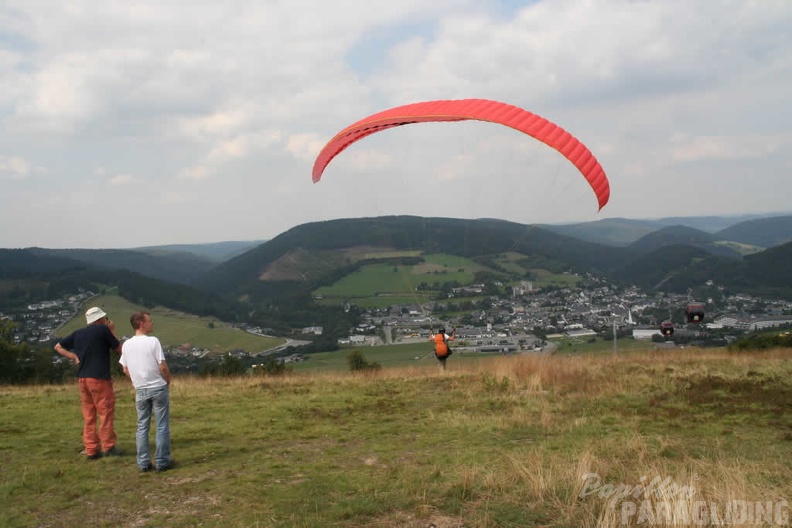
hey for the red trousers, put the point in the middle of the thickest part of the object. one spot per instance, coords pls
(97, 398)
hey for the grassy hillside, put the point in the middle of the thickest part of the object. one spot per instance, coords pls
(175, 328)
(376, 279)
(683, 235)
(514, 441)
(382, 285)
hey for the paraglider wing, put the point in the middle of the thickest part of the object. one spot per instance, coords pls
(479, 110)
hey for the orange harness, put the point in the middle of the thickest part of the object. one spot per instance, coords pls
(441, 347)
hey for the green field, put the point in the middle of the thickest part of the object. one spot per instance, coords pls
(561, 280)
(513, 441)
(420, 354)
(383, 285)
(401, 355)
(510, 262)
(378, 281)
(174, 328)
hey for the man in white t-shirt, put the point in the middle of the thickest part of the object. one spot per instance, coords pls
(144, 363)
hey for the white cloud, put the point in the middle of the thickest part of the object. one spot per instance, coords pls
(305, 146)
(121, 180)
(727, 147)
(195, 172)
(241, 146)
(15, 167)
(237, 98)
(217, 124)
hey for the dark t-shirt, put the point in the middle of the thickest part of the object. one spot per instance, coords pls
(92, 345)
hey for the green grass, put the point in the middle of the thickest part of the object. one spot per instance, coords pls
(505, 442)
(174, 328)
(545, 278)
(742, 249)
(401, 355)
(420, 353)
(395, 282)
(378, 301)
(383, 285)
(583, 345)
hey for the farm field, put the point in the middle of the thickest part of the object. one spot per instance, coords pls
(379, 285)
(382, 285)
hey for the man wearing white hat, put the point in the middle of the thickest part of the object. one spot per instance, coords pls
(90, 348)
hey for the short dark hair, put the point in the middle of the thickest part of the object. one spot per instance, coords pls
(441, 330)
(137, 319)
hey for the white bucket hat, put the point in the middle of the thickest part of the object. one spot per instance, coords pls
(94, 314)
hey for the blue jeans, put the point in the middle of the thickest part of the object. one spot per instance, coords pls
(157, 400)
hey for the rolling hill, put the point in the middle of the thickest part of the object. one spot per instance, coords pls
(181, 268)
(674, 258)
(30, 261)
(215, 252)
(274, 282)
(317, 252)
(609, 231)
(763, 232)
(683, 235)
(750, 230)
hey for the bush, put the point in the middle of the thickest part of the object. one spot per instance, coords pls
(227, 366)
(357, 361)
(763, 342)
(272, 367)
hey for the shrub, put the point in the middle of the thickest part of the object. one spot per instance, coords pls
(357, 361)
(272, 367)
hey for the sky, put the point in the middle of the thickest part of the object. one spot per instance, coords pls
(127, 124)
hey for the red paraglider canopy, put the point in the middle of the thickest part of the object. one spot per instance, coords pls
(479, 110)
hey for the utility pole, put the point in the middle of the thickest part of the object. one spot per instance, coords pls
(615, 342)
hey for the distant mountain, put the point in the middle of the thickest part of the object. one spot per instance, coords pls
(313, 251)
(766, 273)
(769, 271)
(216, 252)
(180, 268)
(279, 275)
(22, 262)
(624, 231)
(683, 235)
(710, 224)
(609, 231)
(654, 268)
(764, 232)
(671, 259)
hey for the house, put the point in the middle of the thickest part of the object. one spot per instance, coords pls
(645, 333)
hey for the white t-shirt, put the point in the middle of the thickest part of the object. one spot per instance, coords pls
(142, 355)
